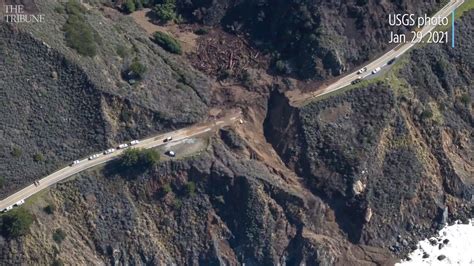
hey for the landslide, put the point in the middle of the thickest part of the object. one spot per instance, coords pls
(210, 209)
(57, 106)
(393, 160)
(316, 39)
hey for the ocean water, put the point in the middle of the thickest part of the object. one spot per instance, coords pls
(454, 245)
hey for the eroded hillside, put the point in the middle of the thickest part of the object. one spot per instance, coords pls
(394, 159)
(352, 179)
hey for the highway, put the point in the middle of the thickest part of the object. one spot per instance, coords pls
(379, 62)
(85, 164)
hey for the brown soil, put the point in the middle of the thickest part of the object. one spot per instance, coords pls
(182, 33)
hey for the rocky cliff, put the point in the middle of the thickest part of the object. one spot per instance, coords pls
(393, 158)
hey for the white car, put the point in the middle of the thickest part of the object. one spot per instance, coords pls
(134, 142)
(170, 153)
(376, 70)
(362, 70)
(7, 208)
(123, 146)
(20, 202)
(94, 156)
(167, 139)
(75, 162)
(109, 151)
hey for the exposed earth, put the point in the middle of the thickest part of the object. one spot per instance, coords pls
(355, 178)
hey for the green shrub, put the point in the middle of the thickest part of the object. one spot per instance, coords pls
(59, 9)
(59, 235)
(74, 8)
(139, 157)
(129, 6)
(79, 34)
(166, 189)
(166, 11)
(57, 262)
(49, 209)
(426, 114)
(122, 51)
(201, 31)
(190, 188)
(16, 152)
(167, 42)
(16, 223)
(149, 157)
(465, 99)
(38, 157)
(136, 70)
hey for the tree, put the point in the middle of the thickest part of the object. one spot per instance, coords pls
(129, 6)
(16, 223)
(167, 42)
(2, 181)
(166, 11)
(139, 158)
(130, 157)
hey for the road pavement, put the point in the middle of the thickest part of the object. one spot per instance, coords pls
(379, 62)
(85, 164)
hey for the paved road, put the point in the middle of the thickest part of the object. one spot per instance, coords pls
(379, 62)
(85, 164)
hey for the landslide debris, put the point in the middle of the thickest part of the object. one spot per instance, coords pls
(309, 39)
(211, 209)
(393, 160)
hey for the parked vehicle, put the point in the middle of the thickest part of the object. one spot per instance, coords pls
(95, 156)
(75, 162)
(123, 146)
(376, 70)
(20, 202)
(109, 151)
(357, 80)
(362, 70)
(7, 208)
(134, 142)
(391, 61)
(167, 139)
(170, 153)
